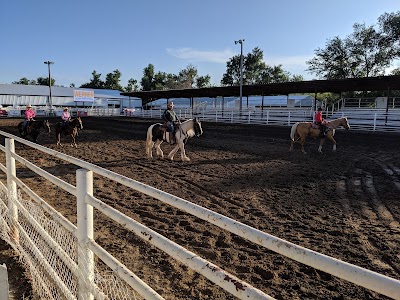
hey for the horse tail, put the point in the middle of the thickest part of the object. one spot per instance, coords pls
(293, 130)
(149, 140)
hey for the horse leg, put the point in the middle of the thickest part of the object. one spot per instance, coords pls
(149, 149)
(183, 152)
(157, 145)
(330, 137)
(58, 138)
(293, 141)
(321, 142)
(173, 152)
(302, 142)
(73, 141)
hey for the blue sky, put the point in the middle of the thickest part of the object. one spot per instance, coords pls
(82, 36)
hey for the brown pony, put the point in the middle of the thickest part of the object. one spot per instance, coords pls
(71, 129)
(34, 127)
(301, 130)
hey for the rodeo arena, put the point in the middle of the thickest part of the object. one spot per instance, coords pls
(249, 208)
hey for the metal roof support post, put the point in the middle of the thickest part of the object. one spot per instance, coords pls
(192, 104)
(222, 105)
(241, 71)
(387, 104)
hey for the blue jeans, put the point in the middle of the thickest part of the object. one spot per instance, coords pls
(170, 127)
(25, 124)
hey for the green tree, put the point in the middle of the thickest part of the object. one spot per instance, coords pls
(44, 81)
(186, 78)
(95, 82)
(203, 81)
(389, 24)
(255, 71)
(25, 81)
(132, 86)
(332, 62)
(113, 81)
(147, 81)
(366, 52)
(395, 71)
(297, 78)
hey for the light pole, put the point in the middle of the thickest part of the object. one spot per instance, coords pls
(241, 71)
(48, 63)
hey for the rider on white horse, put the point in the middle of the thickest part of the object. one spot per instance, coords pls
(170, 119)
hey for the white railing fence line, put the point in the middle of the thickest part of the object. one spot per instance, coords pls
(86, 283)
(366, 120)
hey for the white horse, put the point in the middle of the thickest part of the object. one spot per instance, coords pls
(185, 130)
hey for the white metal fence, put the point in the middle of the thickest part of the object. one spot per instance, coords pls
(60, 255)
(368, 120)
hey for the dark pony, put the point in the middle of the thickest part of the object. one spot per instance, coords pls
(301, 130)
(33, 128)
(156, 135)
(71, 129)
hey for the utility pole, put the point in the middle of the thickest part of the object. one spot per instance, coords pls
(241, 71)
(48, 63)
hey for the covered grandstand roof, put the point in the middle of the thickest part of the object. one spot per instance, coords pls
(381, 83)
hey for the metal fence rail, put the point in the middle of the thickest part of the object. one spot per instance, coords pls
(82, 265)
(366, 120)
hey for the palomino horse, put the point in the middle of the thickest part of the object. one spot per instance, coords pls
(71, 129)
(33, 128)
(301, 130)
(185, 130)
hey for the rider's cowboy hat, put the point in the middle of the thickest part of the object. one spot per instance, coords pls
(170, 104)
(29, 106)
(65, 108)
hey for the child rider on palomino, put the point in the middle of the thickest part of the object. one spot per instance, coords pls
(29, 115)
(169, 117)
(318, 120)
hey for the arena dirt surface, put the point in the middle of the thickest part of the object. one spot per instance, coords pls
(344, 204)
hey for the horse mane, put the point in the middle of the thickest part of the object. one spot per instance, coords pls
(190, 132)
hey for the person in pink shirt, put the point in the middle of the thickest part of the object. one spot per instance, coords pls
(319, 121)
(29, 115)
(66, 117)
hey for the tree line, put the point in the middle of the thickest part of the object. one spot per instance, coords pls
(367, 51)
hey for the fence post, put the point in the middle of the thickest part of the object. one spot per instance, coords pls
(374, 121)
(288, 119)
(84, 185)
(12, 188)
(248, 121)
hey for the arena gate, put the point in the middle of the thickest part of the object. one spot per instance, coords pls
(60, 256)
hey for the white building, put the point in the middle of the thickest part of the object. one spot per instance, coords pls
(19, 95)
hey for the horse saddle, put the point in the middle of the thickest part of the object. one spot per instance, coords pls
(314, 125)
(169, 137)
(163, 128)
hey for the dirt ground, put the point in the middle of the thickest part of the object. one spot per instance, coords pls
(344, 204)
